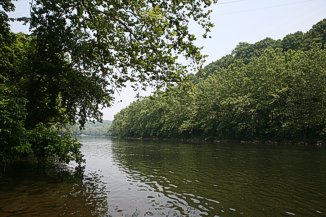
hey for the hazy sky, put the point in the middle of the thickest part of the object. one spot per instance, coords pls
(235, 21)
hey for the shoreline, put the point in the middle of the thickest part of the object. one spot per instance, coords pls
(313, 143)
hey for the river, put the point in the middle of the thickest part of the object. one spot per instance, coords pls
(133, 178)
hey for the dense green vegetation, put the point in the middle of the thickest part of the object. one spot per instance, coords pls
(78, 53)
(270, 90)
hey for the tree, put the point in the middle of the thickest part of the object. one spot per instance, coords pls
(293, 41)
(316, 36)
(98, 46)
(78, 54)
(13, 138)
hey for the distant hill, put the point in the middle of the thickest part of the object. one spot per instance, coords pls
(93, 129)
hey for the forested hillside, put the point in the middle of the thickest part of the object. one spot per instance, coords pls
(270, 90)
(315, 37)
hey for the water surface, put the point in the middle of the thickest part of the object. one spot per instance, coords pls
(132, 178)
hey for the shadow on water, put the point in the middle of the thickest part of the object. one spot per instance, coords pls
(227, 180)
(29, 190)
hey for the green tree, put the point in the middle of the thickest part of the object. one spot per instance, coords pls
(79, 53)
(13, 139)
(316, 36)
(293, 41)
(106, 45)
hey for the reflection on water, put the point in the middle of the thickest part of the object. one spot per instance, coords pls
(228, 179)
(171, 179)
(27, 190)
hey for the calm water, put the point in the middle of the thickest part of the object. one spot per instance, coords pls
(171, 179)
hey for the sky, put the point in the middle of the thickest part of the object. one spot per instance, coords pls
(235, 21)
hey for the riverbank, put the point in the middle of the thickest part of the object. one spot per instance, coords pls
(316, 143)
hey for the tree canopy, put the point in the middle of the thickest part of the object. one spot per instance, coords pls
(96, 47)
(78, 53)
(315, 37)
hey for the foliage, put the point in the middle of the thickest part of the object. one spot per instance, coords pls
(77, 55)
(315, 37)
(156, 116)
(95, 47)
(13, 139)
(50, 142)
(264, 92)
(12, 132)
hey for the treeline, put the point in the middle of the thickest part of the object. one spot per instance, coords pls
(315, 37)
(270, 90)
